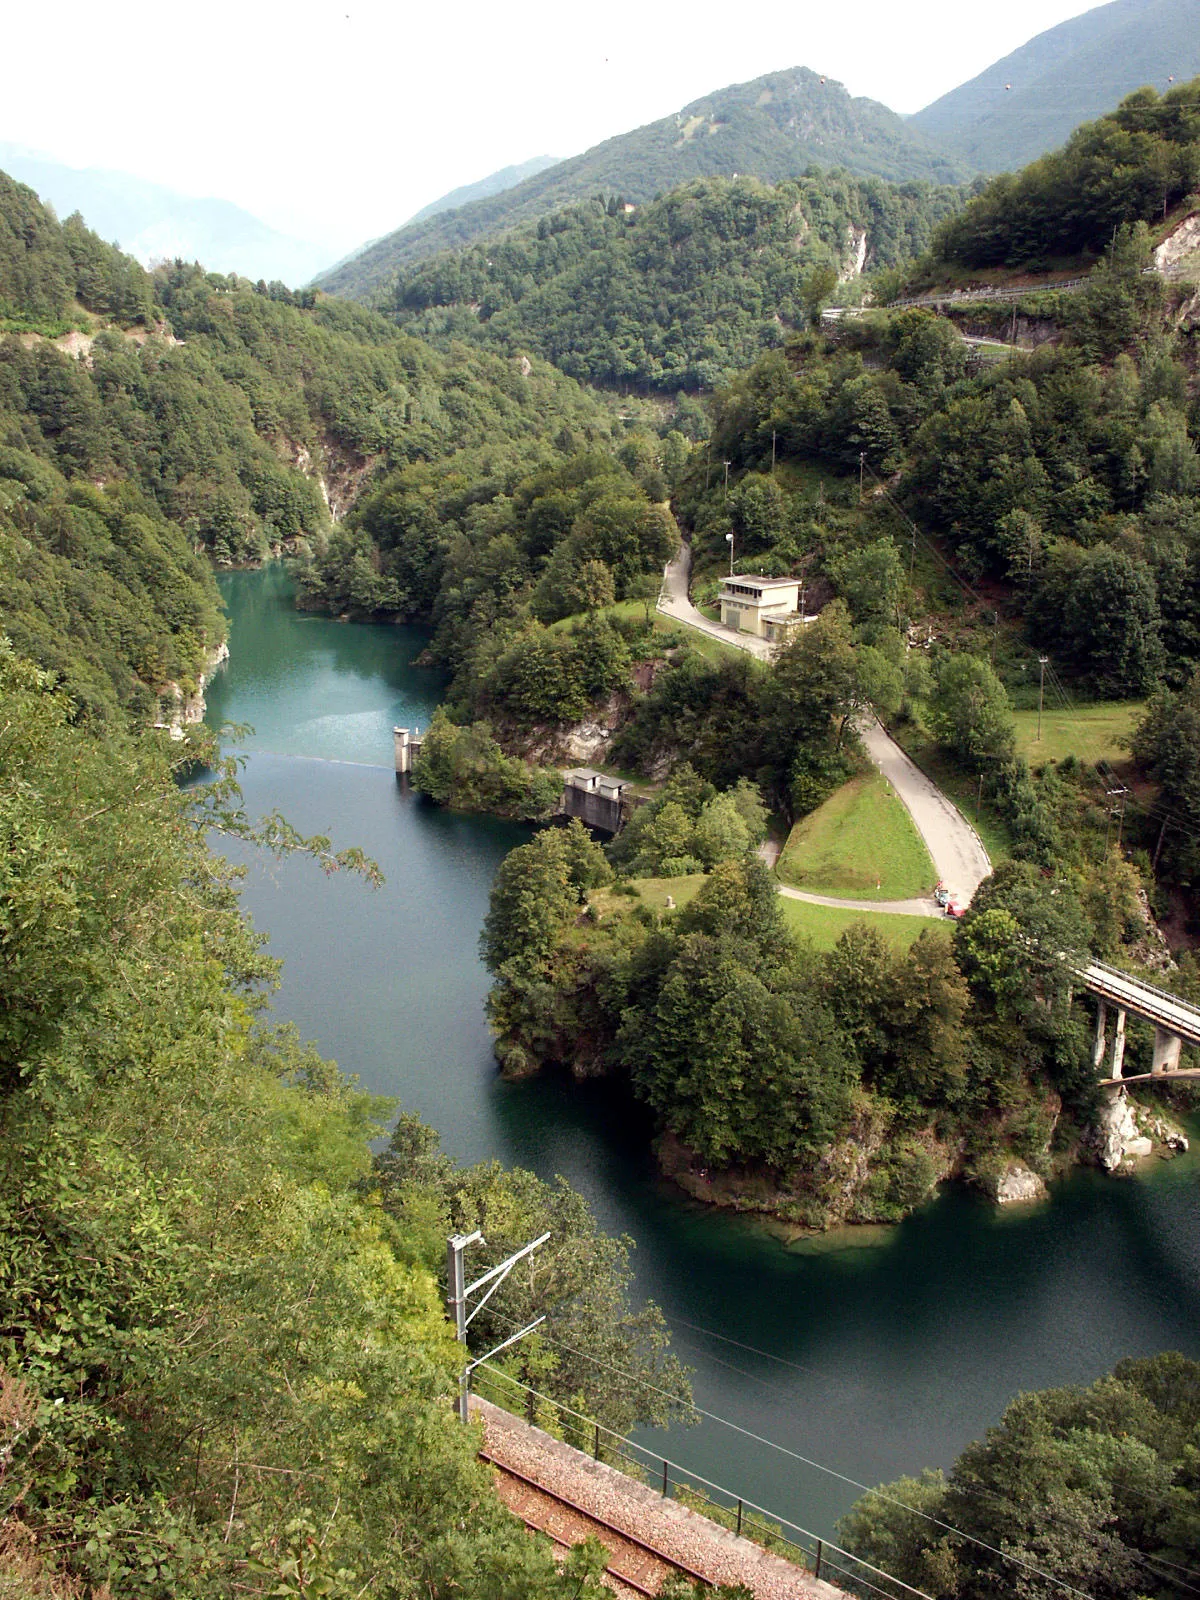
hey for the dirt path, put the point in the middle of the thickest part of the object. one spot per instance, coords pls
(956, 850)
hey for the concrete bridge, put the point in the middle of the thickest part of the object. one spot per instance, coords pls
(1176, 1022)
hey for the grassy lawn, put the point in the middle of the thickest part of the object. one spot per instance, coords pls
(676, 632)
(823, 925)
(861, 844)
(1089, 733)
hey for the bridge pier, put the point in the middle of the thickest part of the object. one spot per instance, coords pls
(1118, 1055)
(1101, 1041)
(1167, 1047)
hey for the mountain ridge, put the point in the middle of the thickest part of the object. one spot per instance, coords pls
(1031, 100)
(495, 183)
(773, 128)
(152, 222)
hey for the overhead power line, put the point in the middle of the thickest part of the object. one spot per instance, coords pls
(819, 1466)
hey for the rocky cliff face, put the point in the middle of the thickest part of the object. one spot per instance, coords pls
(1125, 1133)
(179, 709)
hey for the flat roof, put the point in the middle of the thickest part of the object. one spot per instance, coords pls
(757, 582)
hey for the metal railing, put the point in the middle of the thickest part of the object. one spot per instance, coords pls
(744, 1517)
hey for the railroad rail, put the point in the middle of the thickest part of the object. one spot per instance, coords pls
(640, 1566)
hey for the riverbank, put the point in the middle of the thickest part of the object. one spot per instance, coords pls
(875, 1350)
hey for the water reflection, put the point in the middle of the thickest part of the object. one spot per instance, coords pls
(873, 1361)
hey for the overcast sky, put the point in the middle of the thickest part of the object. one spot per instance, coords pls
(338, 121)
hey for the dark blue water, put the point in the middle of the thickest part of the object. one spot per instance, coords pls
(875, 1352)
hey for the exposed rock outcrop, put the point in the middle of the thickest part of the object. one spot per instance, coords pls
(1116, 1137)
(1178, 256)
(1018, 1185)
(178, 709)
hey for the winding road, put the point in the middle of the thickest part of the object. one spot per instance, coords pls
(955, 848)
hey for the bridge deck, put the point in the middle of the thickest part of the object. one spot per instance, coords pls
(1143, 999)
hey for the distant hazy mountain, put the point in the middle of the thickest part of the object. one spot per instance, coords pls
(1031, 101)
(153, 223)
(772, 128)
(506, 178)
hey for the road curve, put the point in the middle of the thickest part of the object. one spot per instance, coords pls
(897, 908)
(956, 850)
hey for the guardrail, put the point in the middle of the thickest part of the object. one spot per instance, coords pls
(811, 1551)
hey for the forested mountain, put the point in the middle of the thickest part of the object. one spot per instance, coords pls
(772, 128)
(675, 294)
(1030, 101)
(224, 1360)
(494, 183)
(205, 418)
(1133, 165)
(153, 223)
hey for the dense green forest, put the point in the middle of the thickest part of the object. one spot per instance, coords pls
(676, 294)
(1068, 477)
(492, 547)
(1092, 1488)
(1132, 165)
(774, 128)
(823, 1088)
(48, 273)
(222, 427)
(225, 1364)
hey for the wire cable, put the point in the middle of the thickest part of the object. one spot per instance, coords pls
(819, 1466)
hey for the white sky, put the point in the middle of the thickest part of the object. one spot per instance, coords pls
(337, 121)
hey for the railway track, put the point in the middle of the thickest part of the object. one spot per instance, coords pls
(635, 1567)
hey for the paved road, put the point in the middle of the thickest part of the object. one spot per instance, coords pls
(959, 858)
(673, 601)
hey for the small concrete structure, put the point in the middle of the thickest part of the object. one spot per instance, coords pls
(407, 744)
(593, 797)
(759, 605)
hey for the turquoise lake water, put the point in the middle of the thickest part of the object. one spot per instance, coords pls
(872, 1352)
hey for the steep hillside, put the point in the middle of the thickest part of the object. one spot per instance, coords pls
(494, 183)
(771, 128)
(675, 294)
(1030, 101)
(1133, 165)
(154, 223)
(205, 417)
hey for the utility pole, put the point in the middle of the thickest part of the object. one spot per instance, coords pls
(772, 452)
(862, 456)
(707, 463)
(1118, 793)
(1041, 693)
(727, 466)
(457, 1297)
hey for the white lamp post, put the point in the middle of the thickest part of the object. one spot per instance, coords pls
(729, 537)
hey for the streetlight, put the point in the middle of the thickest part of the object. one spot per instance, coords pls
(729, 539)
(727, 465)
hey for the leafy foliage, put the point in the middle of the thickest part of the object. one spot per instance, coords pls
(823, 1088)
(1093, 1488)
(773, 129)
(1130, 166)
(223, 1362)
(673, 295)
